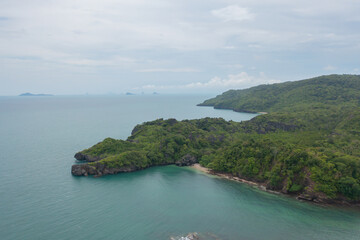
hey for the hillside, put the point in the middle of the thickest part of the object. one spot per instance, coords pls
(329, 90)
(307, 145)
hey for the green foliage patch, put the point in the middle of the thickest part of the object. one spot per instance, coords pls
(309, 142)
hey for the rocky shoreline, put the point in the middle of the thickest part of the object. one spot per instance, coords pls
(313, 198)
(98, 169)
(94, 167)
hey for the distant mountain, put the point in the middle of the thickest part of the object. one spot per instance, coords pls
(35, 95)
(129, 93)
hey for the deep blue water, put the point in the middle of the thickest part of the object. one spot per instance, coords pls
(40, 199)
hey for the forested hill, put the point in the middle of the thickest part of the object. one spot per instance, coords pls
(329, 90)
(308, 144)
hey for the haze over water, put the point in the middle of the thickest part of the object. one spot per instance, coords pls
(40, 199)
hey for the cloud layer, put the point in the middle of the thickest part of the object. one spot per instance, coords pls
(233, 13)
(100, 46)
(232, 81)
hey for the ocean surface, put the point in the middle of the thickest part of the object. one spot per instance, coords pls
(40, 199)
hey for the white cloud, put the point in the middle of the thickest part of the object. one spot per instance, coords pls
(330, 68)
(236, 66)
(69, 27)
(97, 62)
(240, 80)
(106, 39)
(254, 46)
(149, 86)
(229, 47)
(175, 70)
(233, 13)
(324, 7)
(232, 81)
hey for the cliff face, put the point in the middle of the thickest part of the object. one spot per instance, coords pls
(99, 170)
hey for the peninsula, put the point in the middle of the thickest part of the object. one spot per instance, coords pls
(307, 145)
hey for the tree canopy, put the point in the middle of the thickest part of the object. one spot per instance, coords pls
(308, 143)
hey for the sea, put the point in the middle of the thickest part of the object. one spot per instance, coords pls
(40, 199)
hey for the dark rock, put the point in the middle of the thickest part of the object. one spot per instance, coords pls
(79, 156)
(77, 170)
(136, 129)
(306, 197)
(99, 170)
(186, 160)
(83, 170)
(83, 157)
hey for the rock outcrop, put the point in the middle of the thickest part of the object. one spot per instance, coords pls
(186, 160)
(82, 157)
(99, 170)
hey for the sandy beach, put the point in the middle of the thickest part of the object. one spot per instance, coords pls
(197, 166)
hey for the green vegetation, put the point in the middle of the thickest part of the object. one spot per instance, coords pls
(291, 96)
(308, 143)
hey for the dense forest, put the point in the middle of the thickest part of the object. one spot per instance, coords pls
(308, 144)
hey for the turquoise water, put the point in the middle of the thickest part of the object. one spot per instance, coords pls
(39, 199)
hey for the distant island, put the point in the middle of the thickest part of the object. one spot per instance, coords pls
(35, 95)
(129, 94)
(308, 145)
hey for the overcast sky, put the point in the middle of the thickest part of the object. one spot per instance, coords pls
(195, 46)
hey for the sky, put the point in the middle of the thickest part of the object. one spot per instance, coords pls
(188, 46)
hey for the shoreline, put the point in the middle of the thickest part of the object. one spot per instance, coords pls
(228, 176)
(261, 186)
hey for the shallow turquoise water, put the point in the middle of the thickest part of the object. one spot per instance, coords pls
(39, 199)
